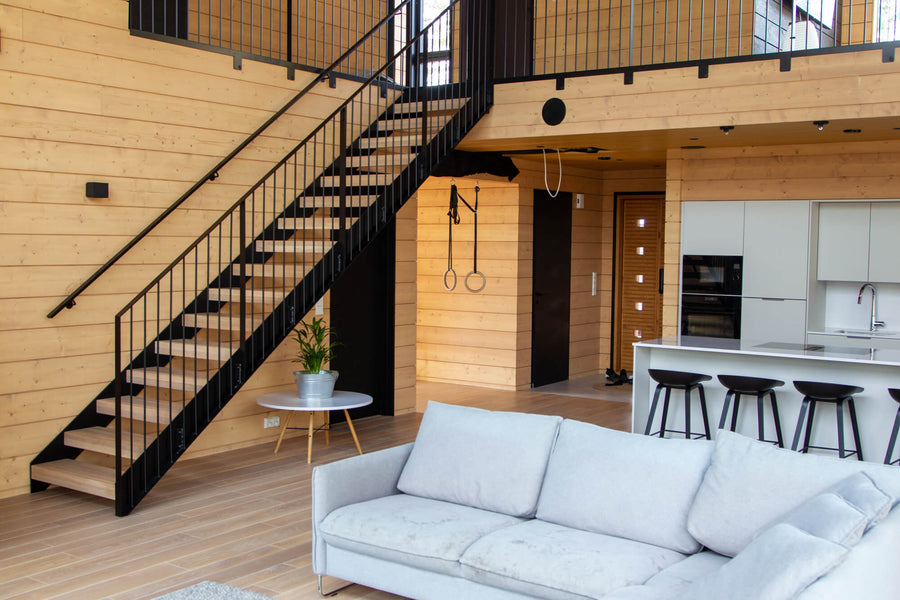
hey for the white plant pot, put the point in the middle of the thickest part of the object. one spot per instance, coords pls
(315, 386)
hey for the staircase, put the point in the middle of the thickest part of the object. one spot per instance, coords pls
(188, 342)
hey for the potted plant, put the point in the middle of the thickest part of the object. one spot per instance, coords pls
(315, 341)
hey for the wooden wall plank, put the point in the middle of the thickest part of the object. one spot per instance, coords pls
(83, 100)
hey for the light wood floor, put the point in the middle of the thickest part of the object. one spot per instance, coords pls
(240, 518)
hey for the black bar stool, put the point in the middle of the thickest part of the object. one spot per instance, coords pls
(895, 394)
(837, 394)
(738, 385)
(678, 380)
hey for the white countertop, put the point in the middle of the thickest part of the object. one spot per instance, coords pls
(817, 352)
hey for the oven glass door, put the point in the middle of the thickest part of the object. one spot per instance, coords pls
(719, 275)
(711, 316)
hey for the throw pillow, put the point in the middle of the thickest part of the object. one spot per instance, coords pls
(490, 460)
(624, 484)
(750, 484)
(777, 565)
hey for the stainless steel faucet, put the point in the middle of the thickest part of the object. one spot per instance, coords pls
(873, 323)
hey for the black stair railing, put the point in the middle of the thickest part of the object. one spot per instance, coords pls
(195, 334)
(373, 44)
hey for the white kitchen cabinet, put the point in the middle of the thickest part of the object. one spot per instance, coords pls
(776, 249)
(884, 243)
(843, 241)
(773, 320)
(715, 228)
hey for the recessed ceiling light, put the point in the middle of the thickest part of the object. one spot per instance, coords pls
(693, 139)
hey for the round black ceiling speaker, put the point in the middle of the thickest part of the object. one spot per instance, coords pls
(554, 111)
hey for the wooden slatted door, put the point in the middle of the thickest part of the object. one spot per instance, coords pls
(639, 263)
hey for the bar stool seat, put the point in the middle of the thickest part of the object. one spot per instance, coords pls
(738, 385)
(678, 380)
(838, 394)
(895, 394)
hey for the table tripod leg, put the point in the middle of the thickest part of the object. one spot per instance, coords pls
(309, 441)
(327, 427)
(287, 421)
(352, 431)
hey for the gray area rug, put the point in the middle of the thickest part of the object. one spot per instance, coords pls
(210, 590)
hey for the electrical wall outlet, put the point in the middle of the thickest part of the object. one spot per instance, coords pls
(269, 422)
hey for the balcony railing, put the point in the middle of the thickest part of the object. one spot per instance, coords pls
(545, 37)
(309, 33)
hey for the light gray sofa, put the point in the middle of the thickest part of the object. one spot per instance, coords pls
(495, 506)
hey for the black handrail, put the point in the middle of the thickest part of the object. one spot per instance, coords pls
(212, 174)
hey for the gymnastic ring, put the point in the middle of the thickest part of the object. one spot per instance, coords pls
(448, 287)
(483, 281)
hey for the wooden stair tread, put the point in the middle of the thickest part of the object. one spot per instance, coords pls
(78, 475)
(407, 123)
(139, 408)
(334, 201)
(294, 246)
(442, 105)
(383, 162)
(314, 222)
(295, 270)
(193, 348)
(176, 379)
(103, 441)
(365, 180)
(253, 296)
(221, 322)
(395, 143)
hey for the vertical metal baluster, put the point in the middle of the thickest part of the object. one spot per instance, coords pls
(117, 359)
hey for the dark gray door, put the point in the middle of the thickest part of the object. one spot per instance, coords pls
(362, 315)
(551, 287)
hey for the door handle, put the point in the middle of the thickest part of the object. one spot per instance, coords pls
(661, 280)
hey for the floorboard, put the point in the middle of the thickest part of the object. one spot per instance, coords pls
(241, 518)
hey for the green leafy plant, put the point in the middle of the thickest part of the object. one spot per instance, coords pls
(316, 345)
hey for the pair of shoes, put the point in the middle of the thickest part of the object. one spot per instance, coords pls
(617, 378)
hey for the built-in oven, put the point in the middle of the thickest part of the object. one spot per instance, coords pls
(711, 296)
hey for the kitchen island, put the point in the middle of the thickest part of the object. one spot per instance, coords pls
(873, 369)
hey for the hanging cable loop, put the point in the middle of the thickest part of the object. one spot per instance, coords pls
(559, 183)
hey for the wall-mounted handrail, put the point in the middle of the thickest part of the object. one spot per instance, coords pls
(211, 175)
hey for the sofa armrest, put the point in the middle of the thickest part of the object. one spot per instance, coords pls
(350, 481)
(870, 569)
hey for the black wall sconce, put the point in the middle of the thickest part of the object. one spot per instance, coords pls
(95, 189)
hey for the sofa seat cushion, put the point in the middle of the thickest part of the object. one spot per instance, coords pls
(750, 485)
(419, 532)
(624, 484)
(671, 582)
(490, 460)
(559, 563)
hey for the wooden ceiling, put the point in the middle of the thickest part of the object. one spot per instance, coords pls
(647, 149)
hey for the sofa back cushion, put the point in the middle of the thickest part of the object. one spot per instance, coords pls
(750, 484)
(624, 484)
(490, 460)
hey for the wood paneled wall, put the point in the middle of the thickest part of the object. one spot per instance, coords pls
(596, 34)
(485, 339)
(861, 170)
(462, 337)
(82, 100)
